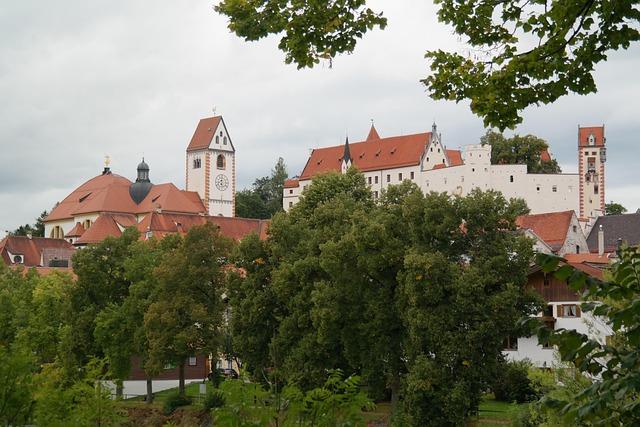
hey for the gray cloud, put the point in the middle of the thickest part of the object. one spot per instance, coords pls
(85, 79)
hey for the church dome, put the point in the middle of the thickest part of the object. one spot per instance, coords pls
(139, 189)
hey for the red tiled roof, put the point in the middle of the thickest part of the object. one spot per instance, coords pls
(31, 249)
(373, 133)
(588, 258)
(550, 227)
(584, 132)
(95, 188)
(585, 268)
(375, 154)
(545, 156)
(109, 193)
(455, 157)
(106, 225)
(161, 224)
(77, 231)
(204, 133)
(440, 166)
(291, 183)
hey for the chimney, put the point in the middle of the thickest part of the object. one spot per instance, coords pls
(29, 236)
(600, 240)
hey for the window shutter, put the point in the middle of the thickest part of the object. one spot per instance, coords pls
(578, 311)
(559, 308)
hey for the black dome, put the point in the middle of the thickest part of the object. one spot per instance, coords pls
(139, 189)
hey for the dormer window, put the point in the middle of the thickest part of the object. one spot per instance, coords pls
(591, 140)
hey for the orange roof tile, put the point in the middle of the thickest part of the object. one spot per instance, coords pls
(584, 132)
(31, 249)
(545, 156)
(590, 258)
(204, 133)
(375, 154)
(106, 225)
(588, 269)
(373, 133)
(440, 166)
(77, 231)
(169, 198)
(550, 227)
(291, 183)
(455, 157)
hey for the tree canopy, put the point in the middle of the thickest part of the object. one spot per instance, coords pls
(519, 149)
(36, 230)
(522, 52)
(613, 208)
(264, 198)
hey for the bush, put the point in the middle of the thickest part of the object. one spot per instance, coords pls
(213, 399)
(174, 400)
(512, 383)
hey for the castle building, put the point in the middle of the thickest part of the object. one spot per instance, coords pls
(422, 158)
(211, 166)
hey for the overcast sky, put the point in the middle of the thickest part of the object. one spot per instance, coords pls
(79, 80)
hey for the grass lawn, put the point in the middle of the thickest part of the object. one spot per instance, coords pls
(495, 413)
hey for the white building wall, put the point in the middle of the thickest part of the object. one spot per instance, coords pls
(575, 242)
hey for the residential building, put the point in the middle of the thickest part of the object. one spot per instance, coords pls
(39, 252)
(616, 230)
(557, 233)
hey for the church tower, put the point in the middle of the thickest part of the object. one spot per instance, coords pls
(592, 156)
(211, 167)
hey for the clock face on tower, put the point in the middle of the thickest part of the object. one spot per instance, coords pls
(222, 182)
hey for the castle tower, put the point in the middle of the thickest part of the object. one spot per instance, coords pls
(592, 156)
(211, 166)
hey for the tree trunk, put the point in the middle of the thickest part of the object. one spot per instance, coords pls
(181, 379)
(395, 392)
(119, 389)
(149, 397)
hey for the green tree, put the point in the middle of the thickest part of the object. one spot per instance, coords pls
(185, 316)
(613, 398)
(264, 198)
(36, 230)
(101, 281)
(523, 52)
(16, 388)
(613, 208)
(520, 150)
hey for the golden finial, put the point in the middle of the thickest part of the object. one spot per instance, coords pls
(107, 161)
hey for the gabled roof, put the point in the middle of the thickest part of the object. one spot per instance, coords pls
(168, 197)
(77, 231)
(161, 224)
(455, 157)
(625, 226)
(291, 183)
(204, 133)
(31, 249)
(373, 154)
(584, 132)
(551, 227)
(106, 225)
(373, 133)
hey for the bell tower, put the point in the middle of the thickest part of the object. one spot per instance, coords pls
(592, 155)
(211, 167)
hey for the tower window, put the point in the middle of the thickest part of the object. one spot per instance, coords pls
(369, 180)
(220, 162)
(510, 178)
(197, 163)
(538, 188)
(554, 188)
(412, 175)
(375, 179)
(595, 189)
(388, 178)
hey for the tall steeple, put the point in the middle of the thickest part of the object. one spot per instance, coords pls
(346, 156)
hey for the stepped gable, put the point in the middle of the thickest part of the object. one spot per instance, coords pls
(551, 227)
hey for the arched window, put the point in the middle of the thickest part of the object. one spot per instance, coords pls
(217, 139)
(220, 162)
(56, 232)
(87, 224)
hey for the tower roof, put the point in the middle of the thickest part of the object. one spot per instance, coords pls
(204, 133)
(596, 131)
(373, 133)
(346, 155)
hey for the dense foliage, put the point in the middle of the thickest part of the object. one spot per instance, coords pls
(264, 199)
(520, 150)
(613, 208)
(414, 294)
(521, 52)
